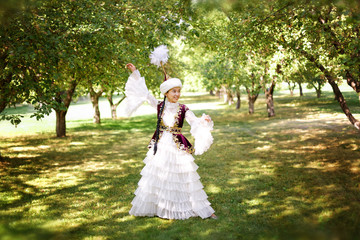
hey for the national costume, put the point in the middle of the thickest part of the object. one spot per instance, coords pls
(170, 187)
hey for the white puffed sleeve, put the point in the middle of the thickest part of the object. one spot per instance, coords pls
(201, 131)
(137, 93)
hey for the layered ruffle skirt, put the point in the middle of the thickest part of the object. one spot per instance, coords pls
(170, 187)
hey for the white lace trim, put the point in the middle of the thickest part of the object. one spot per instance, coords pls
(201, 131)
(170, 105)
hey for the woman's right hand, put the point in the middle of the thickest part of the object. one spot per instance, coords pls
(131, 67)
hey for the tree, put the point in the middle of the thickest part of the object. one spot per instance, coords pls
(85, 38)
(262, 70)
(145, 25)
(253, 85)
(326, 33)
(218, 74)
(297, 73)
(218, 31)
(51, 48)
(23, 60)
(313, 77)
(221, 71)
(313, 31)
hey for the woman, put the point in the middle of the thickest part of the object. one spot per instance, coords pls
(170, 187)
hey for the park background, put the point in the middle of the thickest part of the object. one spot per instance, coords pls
(280, 80)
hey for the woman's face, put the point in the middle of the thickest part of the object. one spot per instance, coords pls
(173, 94)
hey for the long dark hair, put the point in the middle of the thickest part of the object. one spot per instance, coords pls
(158, 126)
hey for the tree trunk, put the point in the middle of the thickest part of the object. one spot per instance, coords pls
(269, 93)
(114, 106)
(60, 123)
(95, 103)
(230, 98)
(2, 106)
(251, 100)
(218, 93)
(224, 93)
(317, 90)
(340, 98)
(94, 97)
(252, 96)
(113, 112)
(338, 94)
(290, 89)
(238, 103)
(352, 81)
(270, 105)
(212, 93)
(226, 98)
(318, 93)
(65, 98)
(5, 94)
(301, 90)
(251, 105)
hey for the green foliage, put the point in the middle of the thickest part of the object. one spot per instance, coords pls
(325, 33)
(14, 119)
(49, 46)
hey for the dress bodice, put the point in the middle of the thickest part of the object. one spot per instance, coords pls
(169, 113)
(173, 116)
(172, 121)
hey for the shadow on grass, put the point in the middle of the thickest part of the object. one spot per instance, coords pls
(289, 177)
(326, 103)
(65, 185)
(289, 181)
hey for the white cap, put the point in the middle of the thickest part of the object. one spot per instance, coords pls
(169, 84)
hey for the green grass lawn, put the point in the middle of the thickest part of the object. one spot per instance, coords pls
(294, 176)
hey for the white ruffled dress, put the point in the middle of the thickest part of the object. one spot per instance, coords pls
(169, 187)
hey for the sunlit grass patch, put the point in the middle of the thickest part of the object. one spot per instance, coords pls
(294, 176)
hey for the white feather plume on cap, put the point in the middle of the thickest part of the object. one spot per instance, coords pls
(159, 55)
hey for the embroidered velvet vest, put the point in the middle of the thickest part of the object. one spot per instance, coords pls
(181, 142)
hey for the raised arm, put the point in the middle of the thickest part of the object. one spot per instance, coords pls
(136, 91)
